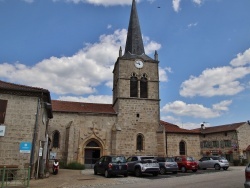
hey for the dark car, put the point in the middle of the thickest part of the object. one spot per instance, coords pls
(111, 165)
(167, 164)
(215, 162)
(186, 163)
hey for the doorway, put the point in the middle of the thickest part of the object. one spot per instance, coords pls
(92, 154)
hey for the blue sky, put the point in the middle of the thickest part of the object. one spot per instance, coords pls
(70, 46)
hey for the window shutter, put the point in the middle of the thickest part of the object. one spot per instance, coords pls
(3, 106)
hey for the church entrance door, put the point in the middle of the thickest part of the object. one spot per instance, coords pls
(92, 154)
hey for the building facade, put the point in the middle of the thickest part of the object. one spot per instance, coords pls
(24, 116)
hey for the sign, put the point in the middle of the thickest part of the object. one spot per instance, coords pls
(40, 152)
(2, 130)
(52, 155)
(25, 147)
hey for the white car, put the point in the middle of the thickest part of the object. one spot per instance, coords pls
(216, 162)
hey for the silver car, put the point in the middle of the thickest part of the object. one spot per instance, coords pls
(247, 176)
(216, 162)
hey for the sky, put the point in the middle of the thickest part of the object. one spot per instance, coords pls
(70, 46)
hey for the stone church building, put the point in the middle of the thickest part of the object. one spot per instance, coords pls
(128, 126)
(34, 128)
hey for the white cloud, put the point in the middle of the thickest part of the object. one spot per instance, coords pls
(180, 108)
(241, 59)
(104, 99)
(192, 25)
(28, 1)
(197, 1)
(176, 5)
(215, 82)
(79, 74)
(163, 73)
(98, 2)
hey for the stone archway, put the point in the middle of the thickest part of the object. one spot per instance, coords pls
(92, 152)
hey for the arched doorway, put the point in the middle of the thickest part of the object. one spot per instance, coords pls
(92, 153)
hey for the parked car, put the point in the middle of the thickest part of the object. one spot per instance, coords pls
(186, 163)
(143, 164)
(111, 165)
(216, 162)
(167, 164)
(247, 176)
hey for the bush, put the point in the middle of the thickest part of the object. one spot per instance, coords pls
(236, 162)
(75, 166)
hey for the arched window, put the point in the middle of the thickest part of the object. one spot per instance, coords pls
(92, 144)
(133, 86)
(144, 86)
(56, 139)
(182, 148)
(139, 142)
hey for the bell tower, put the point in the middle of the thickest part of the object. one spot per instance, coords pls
(136, 97)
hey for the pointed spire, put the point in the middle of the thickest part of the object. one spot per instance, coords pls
(134, 43)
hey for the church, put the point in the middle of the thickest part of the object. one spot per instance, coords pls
(34, 128)
(130, 125)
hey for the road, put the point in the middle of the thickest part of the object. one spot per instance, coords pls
(232, 178)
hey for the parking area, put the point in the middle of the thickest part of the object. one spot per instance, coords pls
(86, 178)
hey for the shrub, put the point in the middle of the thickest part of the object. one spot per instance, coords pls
(75, 166)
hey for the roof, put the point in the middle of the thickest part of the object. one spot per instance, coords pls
(22, 90)
(172, 128)
(134, 43)
(220, 128)
(81, 107)
(18, 87)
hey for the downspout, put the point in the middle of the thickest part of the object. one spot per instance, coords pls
(34, 140)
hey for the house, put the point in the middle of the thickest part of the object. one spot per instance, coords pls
(24, 116)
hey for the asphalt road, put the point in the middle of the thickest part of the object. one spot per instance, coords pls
(234, 177)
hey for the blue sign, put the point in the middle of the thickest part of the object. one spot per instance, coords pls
(25, 147)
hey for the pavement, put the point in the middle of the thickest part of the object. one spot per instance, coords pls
(86, 179)
(80, 179)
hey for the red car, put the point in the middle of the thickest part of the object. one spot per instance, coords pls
(186, 163)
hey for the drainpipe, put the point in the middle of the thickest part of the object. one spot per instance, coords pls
(34, 139)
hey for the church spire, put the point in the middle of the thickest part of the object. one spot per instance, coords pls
(134, 43)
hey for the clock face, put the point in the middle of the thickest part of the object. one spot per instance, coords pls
(138, 64)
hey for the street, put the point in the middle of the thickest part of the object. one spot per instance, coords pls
(234, 177)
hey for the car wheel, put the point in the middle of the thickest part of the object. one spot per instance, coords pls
(225, 168)
(183, 169)
(217, 167)
(194, 170)
(106, 174)
(95, 171)
(137, 172)
(155, 173)
(162, 170)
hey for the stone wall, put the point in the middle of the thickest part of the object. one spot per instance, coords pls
(20, 121)
(191, 143)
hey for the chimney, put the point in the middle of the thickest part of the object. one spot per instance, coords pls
(202, 126)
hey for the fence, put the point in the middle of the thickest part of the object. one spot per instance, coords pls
(14, 177)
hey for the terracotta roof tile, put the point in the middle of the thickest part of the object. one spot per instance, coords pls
(171, 128)
(81, 107)
(12, 86)
(220, 128)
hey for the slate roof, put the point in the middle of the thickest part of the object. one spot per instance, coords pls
(81, 107)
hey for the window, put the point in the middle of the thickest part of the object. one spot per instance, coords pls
(215, 144)
(139, 142)
(92, 144)
(227, 143)
(133, 86)
(56, 138)
(182, 148)
(3, 106)
(144, 86)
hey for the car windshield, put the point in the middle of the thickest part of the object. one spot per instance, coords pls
(170, 159)
(190, 159)
(119, 159)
